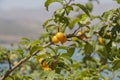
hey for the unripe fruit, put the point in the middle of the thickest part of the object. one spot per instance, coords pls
(55, 40)
(81, 35)
(15, 63)
(88, 23)
(60, 36)
(40, 60)
(12, 57)
(87, 30)
(101, 41)
(23, 68)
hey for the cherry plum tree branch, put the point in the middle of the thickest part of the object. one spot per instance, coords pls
(8, 72)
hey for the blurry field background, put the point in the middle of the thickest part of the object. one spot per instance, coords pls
(24, 18)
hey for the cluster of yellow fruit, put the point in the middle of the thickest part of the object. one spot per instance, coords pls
(81, 35)
(59, 37)
(44, 65)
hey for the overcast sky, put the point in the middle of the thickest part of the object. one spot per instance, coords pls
(9, 4)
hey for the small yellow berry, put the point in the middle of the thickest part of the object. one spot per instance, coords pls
(64, 39)
(47, 69)
(55, 40)
(81, 35)
(101, 41)
(60, 36)
(44, 64)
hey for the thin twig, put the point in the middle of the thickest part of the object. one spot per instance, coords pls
(76, 30)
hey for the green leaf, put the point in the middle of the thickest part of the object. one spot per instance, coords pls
(59, 12)
(116, 64)
(89, 6)
(74, 22)
(51, 49)
(48, 2)
(118, 1)
(83, 8)
(88, 48)
(25, 39)
(76, 65)
(70, 52)
(83, 18)
(68, 9)
(9, 78)
(46, 22)
(66, 57)
(34, 43)
(51, 75)
(64, 63)
(47, 75)
(65, 21)
(45, 35)
(108, 15)
(20, 51)
(118, 21)
(50, 27)
(36, 48)
(27, 78)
